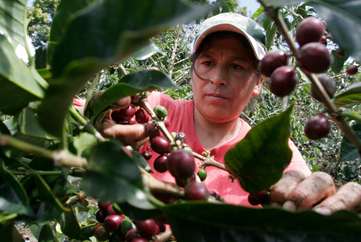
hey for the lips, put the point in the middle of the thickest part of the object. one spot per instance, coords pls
(216, 95)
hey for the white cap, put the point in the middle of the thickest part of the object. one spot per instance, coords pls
(233, 22)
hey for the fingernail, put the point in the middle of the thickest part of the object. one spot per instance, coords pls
(322, 210)
(290, 206)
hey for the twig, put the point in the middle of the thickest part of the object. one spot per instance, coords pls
(156, 185)
(60, 157)
(83, 121)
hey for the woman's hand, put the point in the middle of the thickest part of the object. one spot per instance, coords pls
(317, 191)
(127, 133)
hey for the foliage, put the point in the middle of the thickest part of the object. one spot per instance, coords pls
(50, 154)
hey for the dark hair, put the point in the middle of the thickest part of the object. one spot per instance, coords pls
(224, 34)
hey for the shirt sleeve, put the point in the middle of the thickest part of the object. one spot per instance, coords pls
(297, 162)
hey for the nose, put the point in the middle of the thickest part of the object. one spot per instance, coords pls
(219, 76)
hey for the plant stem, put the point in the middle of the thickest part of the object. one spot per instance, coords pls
(330, 106)
(41, 173)
(60, 157)
(207, 161)
(156, 185)
(83, 121)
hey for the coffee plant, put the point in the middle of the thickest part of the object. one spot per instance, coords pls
(60, 179)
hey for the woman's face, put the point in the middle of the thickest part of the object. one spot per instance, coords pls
(224, 79)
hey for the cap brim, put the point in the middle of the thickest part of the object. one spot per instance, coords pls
(257, 48)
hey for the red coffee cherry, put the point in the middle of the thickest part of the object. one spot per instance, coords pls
(317, 127)
(352, 70)
(123, 116)
(112, 222)
(196, 191)
(161, 163)
(100, 216)
(160, 145)
(328, 83)
(181, 164)
(131, 234)
(257, 198)
(152, 130)
(100, 232)
(283, 81)
(136, 99)
(141, 116)
(132, 120)
(147, 228)
(309, 30)
(104, 205)
(272, 61)
(314, 57)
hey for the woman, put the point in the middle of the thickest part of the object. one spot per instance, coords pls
(224, 79)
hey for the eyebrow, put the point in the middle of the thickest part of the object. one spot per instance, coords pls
(209, 54)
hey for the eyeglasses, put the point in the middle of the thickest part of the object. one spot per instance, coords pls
(205, 68)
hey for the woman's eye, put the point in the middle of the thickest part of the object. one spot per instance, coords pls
(207, 63)
(237, 67)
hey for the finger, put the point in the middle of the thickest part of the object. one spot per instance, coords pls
(289, 206)
(347, 197)
(285, 185)
(312, 190)
(123, 102)
(127, 133)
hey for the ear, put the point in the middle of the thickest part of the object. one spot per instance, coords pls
(258, 87)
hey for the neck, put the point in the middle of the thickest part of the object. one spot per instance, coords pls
(211, 134)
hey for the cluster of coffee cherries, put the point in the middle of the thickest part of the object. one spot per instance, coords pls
(312, 57)
(180, 163)
(131, 114)
(113, 225)
(176, 158)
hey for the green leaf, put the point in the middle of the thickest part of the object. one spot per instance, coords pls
(47, 194)
(138, 206)
(338, 60)
(343, 22)
(6, 217)
(18, 84)
(66, 11)
(195, 222)
(103, 34)
(259, 159)
(47, 234)
(29, 125)
(10, 201)
(112, 175)
(129, 85)
(147, 51)
(18, 188)
(13, 22)
(70, 225)
(350, 96)
(348, 151)
(4, 129)
(83, 142)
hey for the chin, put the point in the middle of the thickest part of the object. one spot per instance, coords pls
(218, 117)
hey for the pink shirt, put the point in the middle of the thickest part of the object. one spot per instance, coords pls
(181, 119)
